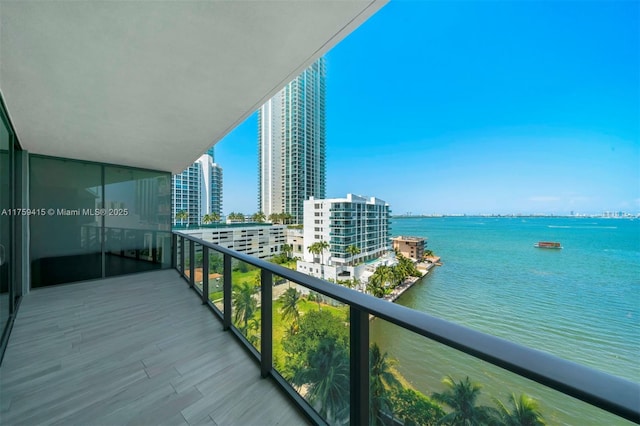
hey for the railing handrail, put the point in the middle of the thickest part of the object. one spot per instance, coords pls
(611, 393)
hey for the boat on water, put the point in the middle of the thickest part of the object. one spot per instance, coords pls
(547, 245)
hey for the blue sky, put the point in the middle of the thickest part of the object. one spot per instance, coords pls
(477, 107)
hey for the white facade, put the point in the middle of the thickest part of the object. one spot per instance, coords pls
(342, 222)
(295, 238)
(263, 241)
(291, 155)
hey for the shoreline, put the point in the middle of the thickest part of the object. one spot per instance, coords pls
(423, 267)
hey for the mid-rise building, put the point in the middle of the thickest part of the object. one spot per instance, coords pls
(291, 139)
(356, 229)
(255, 239)
(198, 190)
(411, 247)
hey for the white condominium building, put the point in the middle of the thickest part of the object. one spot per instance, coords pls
(342, 222)
(291, 141)
(198, 190)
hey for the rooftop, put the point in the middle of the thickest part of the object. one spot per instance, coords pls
(409, 239)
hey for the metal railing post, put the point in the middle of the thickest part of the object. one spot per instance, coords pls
(192, 262)
(226, 290)
(616, 395)
(181, 239)
(359, 363)
(266, 318)
(205, 275)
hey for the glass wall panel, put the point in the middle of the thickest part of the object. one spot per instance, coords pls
(80, 237)
(245, 305)
(186, 246)
(5, 204)
(198, 260)
(417, 380)
(137, 213)
(65, 240)
(311, 348)
(216, 279)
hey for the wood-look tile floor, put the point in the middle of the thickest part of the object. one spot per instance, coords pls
(131, 350)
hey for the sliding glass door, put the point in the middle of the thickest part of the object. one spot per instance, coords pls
(66, 239)
(5, 225)
(9, 220)
(99, 220)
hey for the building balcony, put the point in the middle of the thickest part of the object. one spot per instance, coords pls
(136, 349)
(153, 348)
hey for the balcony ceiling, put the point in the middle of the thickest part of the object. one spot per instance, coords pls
(153, 84)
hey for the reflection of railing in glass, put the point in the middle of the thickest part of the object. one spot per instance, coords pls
(140, 244)
(328, 338)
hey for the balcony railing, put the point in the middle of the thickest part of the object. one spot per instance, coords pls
(240, 290)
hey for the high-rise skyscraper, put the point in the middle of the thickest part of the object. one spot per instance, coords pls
(292, 145)
(198, 190)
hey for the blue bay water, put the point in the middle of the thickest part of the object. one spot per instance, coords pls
(581, 303)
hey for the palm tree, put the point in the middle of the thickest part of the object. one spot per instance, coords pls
(380, 381)
(314, 249)
(233, 216)
(287, 249)
(375, 286)
(244, 304)
(290, 299)
(462, 397)
(258, 217)
(322, 246)
(526, 411)
(352, 250)
(252, 332)
(327, 379)
(382, 277)
(210, 218)
(182, 216)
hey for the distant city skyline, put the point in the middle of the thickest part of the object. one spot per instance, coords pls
(478, 108)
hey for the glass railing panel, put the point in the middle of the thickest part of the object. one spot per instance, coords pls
(187, 258)
(414, 380)
(197, 272)
(216, 279)
(245, 300)
(179, 249)
(311, 347)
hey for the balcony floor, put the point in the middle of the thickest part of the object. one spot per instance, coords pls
(138, 349)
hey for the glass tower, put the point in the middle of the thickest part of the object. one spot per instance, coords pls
(198, 190)
(291, 143)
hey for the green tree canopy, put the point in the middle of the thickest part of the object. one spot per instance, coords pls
(353, 250)
(524, 411)
(381, 381)
(462, 397)
(258, 217)
(244, 304)
(290, 299)
(317, 356)
(182, 215)
(414, 408)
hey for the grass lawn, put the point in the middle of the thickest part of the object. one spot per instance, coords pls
(280, 326)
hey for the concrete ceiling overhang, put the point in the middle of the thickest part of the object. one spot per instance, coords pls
(153, 84)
